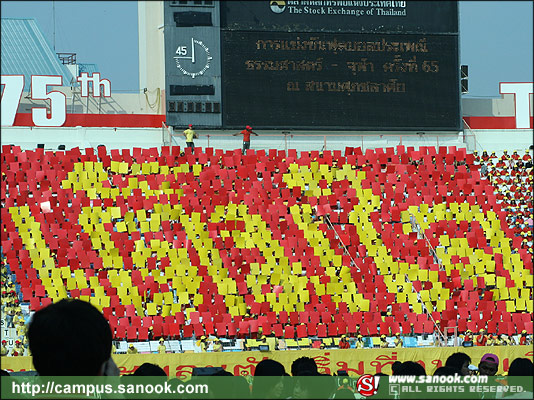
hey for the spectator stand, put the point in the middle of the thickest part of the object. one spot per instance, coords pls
(127, 231)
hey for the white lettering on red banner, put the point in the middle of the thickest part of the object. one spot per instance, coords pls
(94, 79)
(13, 85)
(58, 101)
(11, 93)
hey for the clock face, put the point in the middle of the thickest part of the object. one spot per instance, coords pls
(193, 60)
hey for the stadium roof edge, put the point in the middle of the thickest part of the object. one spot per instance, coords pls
(26, 51)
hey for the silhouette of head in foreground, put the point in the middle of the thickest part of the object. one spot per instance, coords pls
(70, 338)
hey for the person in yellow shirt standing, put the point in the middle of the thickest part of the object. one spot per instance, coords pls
(26, 345)
(383, 342)
(21, 329)
(359, 342)
(203, 344)
(4, 351)
(190, 134)
(18, 317)
(161, 348)
(398, 340)
(217, 346)
(131, 349)
(10, 314)
(263, 341)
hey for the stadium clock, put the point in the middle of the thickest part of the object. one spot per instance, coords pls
(193, 61)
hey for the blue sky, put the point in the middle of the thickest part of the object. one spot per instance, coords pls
(495, 38)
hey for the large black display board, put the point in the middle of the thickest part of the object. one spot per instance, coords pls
(340, 81)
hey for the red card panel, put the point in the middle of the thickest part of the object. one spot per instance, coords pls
(302, 331)
(289, 332)
(321, 330)
(278, 330)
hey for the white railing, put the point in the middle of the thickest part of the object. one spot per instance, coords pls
(303, 141)
(470, 139)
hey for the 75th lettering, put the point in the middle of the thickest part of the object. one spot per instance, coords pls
(13, 86)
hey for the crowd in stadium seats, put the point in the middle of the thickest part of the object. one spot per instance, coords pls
(12, 312)
(512, 177)
(318, 245)
(72, 338)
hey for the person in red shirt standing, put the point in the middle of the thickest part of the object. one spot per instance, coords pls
(482, 339)
(468, 339)
(246, 137)
(523, 340)
(343, 343)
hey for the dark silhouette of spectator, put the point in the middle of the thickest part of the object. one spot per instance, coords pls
(383, 390)
(174, 381)
(304, 366)
(4, 373)
(521, 367)
(269, 368)
(343, 394)
(263, 388)
(395, 366)
(148, 369)
(287, 389)
(71, 338)
(410, 368)
(222, 373)
(329, 386)
(447, 371)
(241, 388)
(459, 361)
(306, 388)
(489, 364)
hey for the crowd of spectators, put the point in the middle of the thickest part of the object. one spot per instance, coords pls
(386, 315)
(72, 338)
(512, 177)
(12, 311)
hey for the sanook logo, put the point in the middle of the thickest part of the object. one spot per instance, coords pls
(278, 6)
(367, 385)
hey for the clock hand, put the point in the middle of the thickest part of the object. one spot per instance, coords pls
(192, 50)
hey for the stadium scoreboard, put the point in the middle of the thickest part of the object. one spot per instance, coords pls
(324, 65)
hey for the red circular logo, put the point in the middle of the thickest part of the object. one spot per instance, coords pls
(367, 385)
